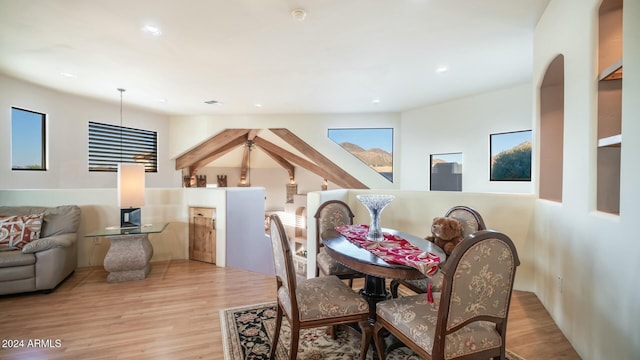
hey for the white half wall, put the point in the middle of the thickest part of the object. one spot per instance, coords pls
(413, 212)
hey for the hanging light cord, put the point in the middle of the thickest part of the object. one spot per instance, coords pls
(121, 145)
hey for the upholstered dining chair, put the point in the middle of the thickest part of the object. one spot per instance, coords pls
(315, 302)
(468, 318)
(471, 221)
(330, 214)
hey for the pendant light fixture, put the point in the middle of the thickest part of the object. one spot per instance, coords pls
(131, 178)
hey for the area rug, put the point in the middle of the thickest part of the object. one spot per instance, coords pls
(247, 332)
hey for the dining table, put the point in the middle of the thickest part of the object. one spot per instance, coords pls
(376, 270)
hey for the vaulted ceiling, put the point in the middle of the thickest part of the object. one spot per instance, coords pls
(254, 57)
(249, 139)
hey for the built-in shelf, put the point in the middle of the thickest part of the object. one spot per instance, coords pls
(613, 72)
(611, 141)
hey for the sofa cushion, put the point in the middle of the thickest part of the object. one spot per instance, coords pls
(57, 220)
(14, 273)
(42, 244)
(16, 258)
(17, 231)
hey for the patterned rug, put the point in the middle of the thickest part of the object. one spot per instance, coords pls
(247, 332)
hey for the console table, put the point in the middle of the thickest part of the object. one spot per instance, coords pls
(130, 251)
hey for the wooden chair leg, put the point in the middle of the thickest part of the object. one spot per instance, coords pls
(332, 331)
(377, 338)
(365, 343)
(295, 338)
(276, 335)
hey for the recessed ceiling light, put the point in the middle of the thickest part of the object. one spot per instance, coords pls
(442, 69)
(162, 101)
(68, 75)
(375, 101)
(213, 102)
(299, 14)
(257, 105)
(152, 29)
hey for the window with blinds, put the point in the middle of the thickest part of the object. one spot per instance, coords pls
(113, 144)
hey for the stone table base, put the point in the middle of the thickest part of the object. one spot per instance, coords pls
(128, 257)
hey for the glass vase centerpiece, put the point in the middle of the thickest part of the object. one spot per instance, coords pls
(375, 203)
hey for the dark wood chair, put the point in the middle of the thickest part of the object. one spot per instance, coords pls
(315, 302)
(471, 222)
(468, 318)
(330, 214)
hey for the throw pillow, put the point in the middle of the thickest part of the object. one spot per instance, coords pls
(17, 231)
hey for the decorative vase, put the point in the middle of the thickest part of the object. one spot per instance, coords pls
(375, 203)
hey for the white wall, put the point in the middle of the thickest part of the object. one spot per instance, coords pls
(596, 254)
(464, 125)
(67, 129)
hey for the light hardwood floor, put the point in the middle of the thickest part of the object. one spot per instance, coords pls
(175, 314)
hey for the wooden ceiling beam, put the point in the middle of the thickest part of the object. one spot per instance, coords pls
(244, 167)
(315, 156)
(218, 153)
(306, 164)
(283, 163)
(209, 147)
(245, 164)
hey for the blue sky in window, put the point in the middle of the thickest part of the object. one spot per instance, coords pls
(504, 141)
(450, 158)
(26, 138)
(365, 138)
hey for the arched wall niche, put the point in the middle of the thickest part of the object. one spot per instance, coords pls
(609, 106)
(552, 130)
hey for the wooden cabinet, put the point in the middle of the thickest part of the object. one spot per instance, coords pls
(202, 234)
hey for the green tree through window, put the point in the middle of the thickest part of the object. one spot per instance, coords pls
(511, 156)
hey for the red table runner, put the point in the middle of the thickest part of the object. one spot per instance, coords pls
(393, 249)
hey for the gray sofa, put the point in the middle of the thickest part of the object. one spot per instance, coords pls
(44, 263)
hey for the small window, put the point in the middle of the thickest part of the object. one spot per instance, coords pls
(446, 172)
(110, 145)
(510, 156)
(28, 140)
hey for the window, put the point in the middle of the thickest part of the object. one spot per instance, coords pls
(112, 144)
(446, 172)
(28, 142)
(510, 156)
(372, 146)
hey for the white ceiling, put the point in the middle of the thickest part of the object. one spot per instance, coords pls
(345, 53)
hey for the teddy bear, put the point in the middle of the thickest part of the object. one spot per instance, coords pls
(446, 233)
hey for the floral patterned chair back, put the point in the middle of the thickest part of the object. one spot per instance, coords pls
(469, 218)
(468, 319)
(471, 222)
(283, 261)
(331, 214)
(477, 287)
